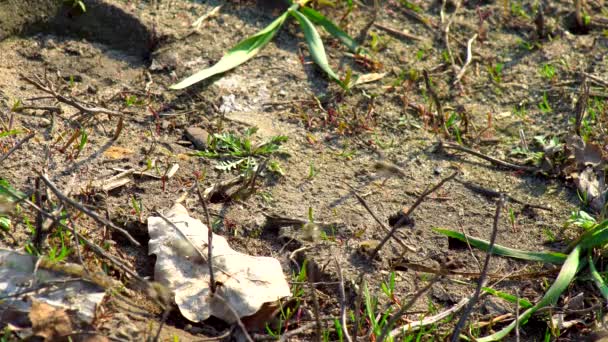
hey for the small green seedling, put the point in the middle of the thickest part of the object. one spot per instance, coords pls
(496, 72)
(547, 71)
(544, 106)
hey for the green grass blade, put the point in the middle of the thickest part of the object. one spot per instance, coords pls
(236, 56)
(331, 28)
(315, 45)
(547, 257)
(597, 278)
(563, 280)
(523, 303)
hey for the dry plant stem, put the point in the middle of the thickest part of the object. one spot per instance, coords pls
(119, 264)
(539, 21)
(16, 147)
(596, 79)
(446, 35)
(86, 211)
(343, 321)
(468, 60)
(315, 306)
(209, 239)
(49, 89)
(162, 323)
(496, 194)
(236, 316)
(409, 212)
(581, 105)
(431, 91)
(397, 316)
(185, 237)
(358, 300)
(578, 12)
(382, 225)
(482, 277)
(408, 328)
(398, 33)
(448, 145)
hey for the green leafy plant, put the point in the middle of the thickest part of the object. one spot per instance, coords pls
(248, 48)
(239, 152)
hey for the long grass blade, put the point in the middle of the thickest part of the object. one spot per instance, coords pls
(563, 280)
(315, 44)
(546, 257)
(597, 278)
(236, 56)
(331, 28)
(524, 303)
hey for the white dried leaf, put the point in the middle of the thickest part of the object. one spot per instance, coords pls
(247, 282)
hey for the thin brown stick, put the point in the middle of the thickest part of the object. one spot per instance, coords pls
(581, 105)
(380, 223)
(358, 300)
(431, 91)
(343, 321)
(446, 34)
(236, 316)
(398, 33)
(209, 239)
(86, 211)
(16, 147)
(315, 304)
(452, 146)
(397, 316)
(482, 278)
(38, 83)
(493, 194)
(409, 212)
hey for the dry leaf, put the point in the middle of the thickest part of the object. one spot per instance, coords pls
(368, 78)
(117, 152)
(49, 322)
(17, 269)
(247, 282)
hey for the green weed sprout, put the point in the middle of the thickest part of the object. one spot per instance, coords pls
(248, 48)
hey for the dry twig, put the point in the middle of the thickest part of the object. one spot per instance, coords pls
(398, 33)
(209, 239)
(16, 147)
(86, 211)
(409, 212)
(380, 223)
(452, 146)
(482, 278)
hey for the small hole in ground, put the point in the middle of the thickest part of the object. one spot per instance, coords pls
(573, 26)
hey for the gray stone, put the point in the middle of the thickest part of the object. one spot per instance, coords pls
(197, 136)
